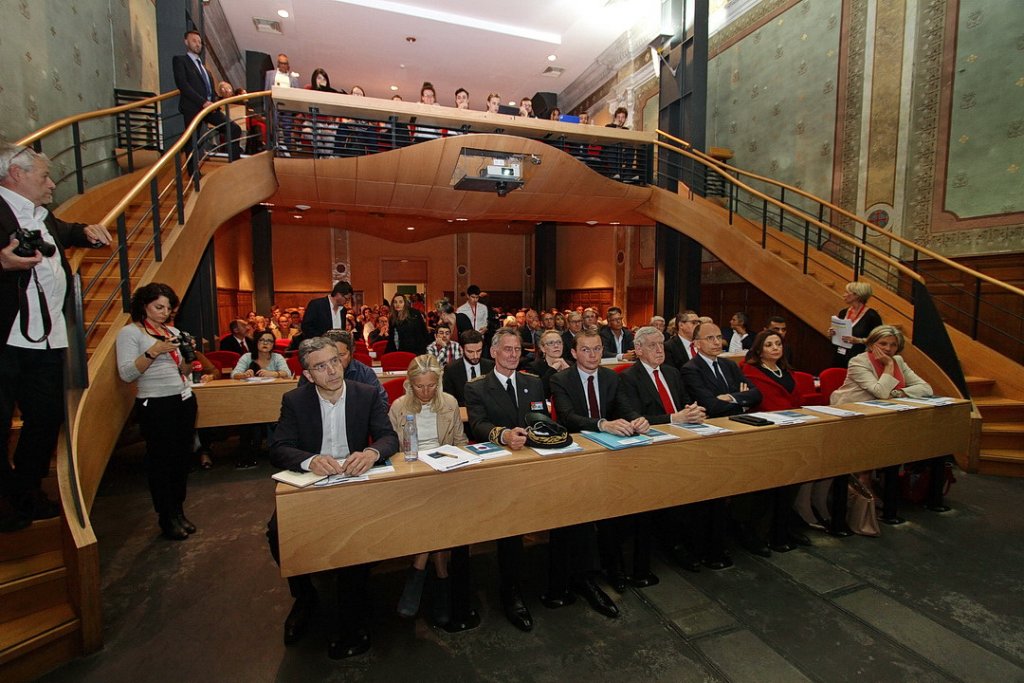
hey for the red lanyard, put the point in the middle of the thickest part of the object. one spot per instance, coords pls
(153, 332)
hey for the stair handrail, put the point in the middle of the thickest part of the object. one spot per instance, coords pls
(57, 125)
(834, 232)
(910, 244)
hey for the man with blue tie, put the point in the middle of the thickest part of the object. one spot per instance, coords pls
(196, 92)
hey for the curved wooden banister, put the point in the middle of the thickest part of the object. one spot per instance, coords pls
(99, 113)
(838, 234)
(850, 216)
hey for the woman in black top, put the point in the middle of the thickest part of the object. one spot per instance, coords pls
(407, 330)
(864, 320)
(549, 359)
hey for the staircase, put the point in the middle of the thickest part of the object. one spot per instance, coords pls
(1002, 432)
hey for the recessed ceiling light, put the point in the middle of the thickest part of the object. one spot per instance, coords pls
(297, 215)
(552, 58)
(283, 13)
(462, 220)
(394, 88)
(302, 207)
(614, 223)
(591, 222)
(410, 227)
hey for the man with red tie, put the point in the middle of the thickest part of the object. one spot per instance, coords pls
(444, 349)
(239, 340)
(681, 349)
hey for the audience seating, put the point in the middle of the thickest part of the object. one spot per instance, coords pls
(281, 345)
(809, 395)
(829, 380)
(395, 388)
(380, 348)
(224, 360)
(363, 357)
(294, 365)
(396, 360)
(622, 367)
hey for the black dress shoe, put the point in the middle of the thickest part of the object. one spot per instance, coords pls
(557, 600)
(470, 621)
(645, 580)
(783, 547)
(797, 538)
(515, 610)
(722, 561)
(755, 547)
(172, 529)
(188, 526)
(893, 520)
(617, 580)
(686, 559)
(938, 508)
(595, 597)
(349, 647)
(35, 505)
(839, 531)
(297, 621)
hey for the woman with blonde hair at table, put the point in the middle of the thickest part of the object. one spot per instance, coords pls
(438, 423)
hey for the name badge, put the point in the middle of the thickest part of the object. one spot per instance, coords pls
(536, 406)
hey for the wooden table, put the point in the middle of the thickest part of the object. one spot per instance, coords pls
(416, 509)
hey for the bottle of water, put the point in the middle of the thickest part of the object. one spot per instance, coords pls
(410, 439)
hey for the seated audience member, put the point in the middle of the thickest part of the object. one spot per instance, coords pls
(658, 323)
(770, 512)
(560, 324)
(717, 385)
(462, 99)
(526, 108)
(320, 81)
(438, 423)
(529, 331)
(493, 102)
(303, 442)
(681, 348)
(738, 337)
(584, 117)
(549, 359)
(547, 320)
(444, 349)
(864, 320)
(355, 371)
(617, 340)
(473, 365)
(239, 340)
(590, 321)
(586, 397)
(284, 328)
(497, 405)
(574, 325)
(881, 373)
(262, 362)
(446, 314)
(777, 324)
(406, 330)
(381, 332)
(555, 114)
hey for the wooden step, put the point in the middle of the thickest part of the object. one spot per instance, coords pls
(1001, 435)
(39, 537)
(14, 572)
(1004, 462)
(21, 636)
(19, 599)
(1000, 409)
(56, 649)
(980, 386)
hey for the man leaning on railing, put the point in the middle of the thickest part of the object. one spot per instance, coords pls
(34, 282)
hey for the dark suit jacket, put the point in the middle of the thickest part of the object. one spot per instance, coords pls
(317, 318)
(299, 431)
(701, 383)
(13, 281)
(229, 343)
(454, 380)
(676, 352)
(490, 409)
(567, 342)
(570, 399)
(608, 341)
(638, 392)
(189, 81)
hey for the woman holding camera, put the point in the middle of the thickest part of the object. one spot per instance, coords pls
(149, 354)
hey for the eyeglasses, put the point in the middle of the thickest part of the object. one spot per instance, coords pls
(322, 367)
(713, 337)
(264, 341)
(590, 349)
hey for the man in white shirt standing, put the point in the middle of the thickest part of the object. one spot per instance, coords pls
(476, 313)
(33, 290)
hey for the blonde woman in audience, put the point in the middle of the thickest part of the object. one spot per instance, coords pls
(549, 360)
(438, 423)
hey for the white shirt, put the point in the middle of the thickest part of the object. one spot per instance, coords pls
(335, 437)
(48, 273)
(661, 376)
(426, 427)
(337, 316)
(736, 342)
(503, 380)
(688, 345)
(470, 367)
(477, 317)
(584, 376)
(283, 80)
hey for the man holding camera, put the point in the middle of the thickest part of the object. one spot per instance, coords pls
(34, 282)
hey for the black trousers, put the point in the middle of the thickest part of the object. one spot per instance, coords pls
(168, 425)
(33, 381)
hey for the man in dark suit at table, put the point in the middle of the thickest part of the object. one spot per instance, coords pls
(497, 404)
(327, 312)
(586, 397)
(326, 427)
(574, 323)
(196, 94)
(469, 367)
(239, 340)
(616, 339)
(680, 349)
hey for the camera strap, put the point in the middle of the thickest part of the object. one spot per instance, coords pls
(43, 308)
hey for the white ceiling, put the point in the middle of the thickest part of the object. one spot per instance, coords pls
(368, 47)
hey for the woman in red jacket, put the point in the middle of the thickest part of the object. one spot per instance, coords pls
(766, 369)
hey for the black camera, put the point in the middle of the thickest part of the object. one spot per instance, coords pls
(31, 241)
(185, 341)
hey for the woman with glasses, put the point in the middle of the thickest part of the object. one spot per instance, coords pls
(549, 359)
(438, 423)
(263, 363)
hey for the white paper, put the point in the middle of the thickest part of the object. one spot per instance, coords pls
(841, 327)
(346, 479)
(571, 448)
(930, 400)
(446, 458)
(784, 417)
(829, 410)
(656, 435)
(704, 429)
(259, 380)
(887, 405)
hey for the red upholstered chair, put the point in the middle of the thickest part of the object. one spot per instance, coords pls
(294, 365)
(395, 388)
(360, 345)
(396, 360)
(281, 345)
(380, 348)
(224, 360)
(622, 367)
(363, 357)
(829, 380)
(809, 395)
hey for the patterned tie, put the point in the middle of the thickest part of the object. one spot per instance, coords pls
(718, 375)
(511, 392)
(666, 398)
(595, 410)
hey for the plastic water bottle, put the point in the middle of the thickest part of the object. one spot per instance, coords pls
(410, 439)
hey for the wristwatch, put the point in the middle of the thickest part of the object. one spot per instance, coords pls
(146, 354)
